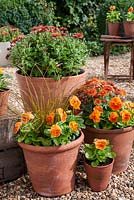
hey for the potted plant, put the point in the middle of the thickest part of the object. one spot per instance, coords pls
(7, 33)
(50, 141)
(4, 92)
(108, 114)
(49, 62)
(113, 18)
(98, 164)
(129, 23)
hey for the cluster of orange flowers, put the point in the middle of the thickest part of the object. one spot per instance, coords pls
(55, 130)
(106, 100)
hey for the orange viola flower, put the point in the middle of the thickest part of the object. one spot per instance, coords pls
(97, 101)
(73, 125)
(25, 117)
(55, 130)
(50, 118)
(1, 70)
(95, 116)
(99, 108)
(113, 117)
(100, 143)
(115, 103)
(17, 127)
(130, 9)
(125, 115)
(122, 92)
(75, 102)
(64, 117)
(103, 93)
(112, 8)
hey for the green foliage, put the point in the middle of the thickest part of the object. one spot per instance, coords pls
(49, 54)
(3, 80)
(98, 155)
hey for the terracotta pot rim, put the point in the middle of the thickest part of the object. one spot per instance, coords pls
(128, 22)
(51, 149)
(5, 90)
(118, 131)
(100, 167)
(82, 72)
(114, 22)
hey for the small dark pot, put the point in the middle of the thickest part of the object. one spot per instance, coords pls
(129, 28)
(114, 28)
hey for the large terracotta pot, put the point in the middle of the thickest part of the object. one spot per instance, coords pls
(3, 53)
(37, 91)
(52, 169)
(4, 96)
(98, 177)
(122, 141)
(129, 28)
(114, 28)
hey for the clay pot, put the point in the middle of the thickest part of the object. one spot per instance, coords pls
(113, 28)
(3, 53)
(129, 28)
(4, 102)
(52, 169)
(39, 91)
(121, 139)
(98, 177)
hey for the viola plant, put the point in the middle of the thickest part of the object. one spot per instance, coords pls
(99, 152)
(105, 106)
(130, 14)
(7, 33)
(113, 15)
(49, 51)
(3, 80)
(53, 128)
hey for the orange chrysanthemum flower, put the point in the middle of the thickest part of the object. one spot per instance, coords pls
(112, 8)
(100, 143)
(73, 125)
(115, 103)
(25, 117)
(113, 117)
(55, 130)
(107, 87)
(95, 116)
(50, 118)
(75, 102)
(125, 115)
(103, 93)
(17, 127)
(97, 101)
(91, 92)
(130, 9)
(78, 35)
(99, 108)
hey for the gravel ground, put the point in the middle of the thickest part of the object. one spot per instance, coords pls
(121, 187)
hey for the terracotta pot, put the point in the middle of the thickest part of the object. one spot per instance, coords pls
(122, 141)
(4, 102)
(3, 53)
(114, 28)
(52, 169)
(98, 177)
(37, 91)
(129, 28)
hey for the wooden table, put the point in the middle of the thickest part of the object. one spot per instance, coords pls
(109, 41)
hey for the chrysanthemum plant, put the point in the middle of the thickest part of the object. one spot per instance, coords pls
(105, 106)
(52, 127)
(130, 14)
(99, 152)
(113, 15)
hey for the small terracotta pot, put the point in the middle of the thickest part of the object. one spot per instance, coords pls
(129, 28)
(4, 102)
(39, 91)
(121, 139)
(98, 177)
(113, 28)
(52, 169)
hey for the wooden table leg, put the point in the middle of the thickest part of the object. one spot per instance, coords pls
(106, 58)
